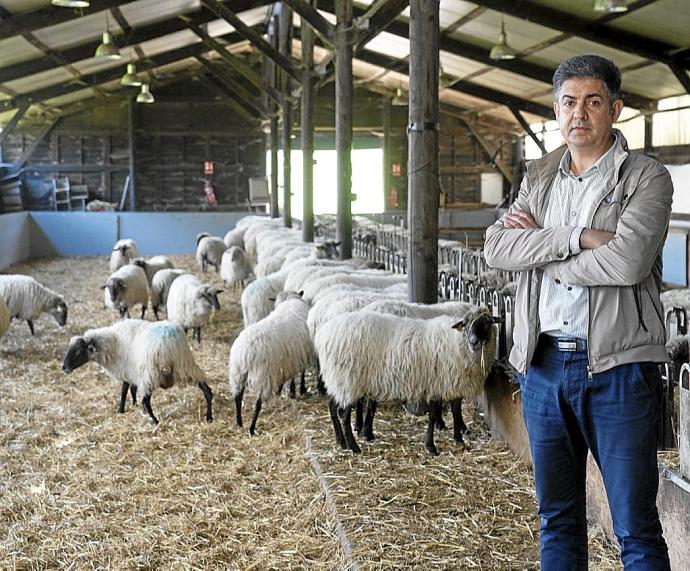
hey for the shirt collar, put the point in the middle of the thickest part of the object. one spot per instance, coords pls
(606, 163)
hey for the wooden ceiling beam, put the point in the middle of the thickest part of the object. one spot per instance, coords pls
(380, 16)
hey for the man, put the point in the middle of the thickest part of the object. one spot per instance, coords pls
(586, 232)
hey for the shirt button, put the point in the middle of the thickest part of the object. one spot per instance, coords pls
(580, 179)
(569, 288)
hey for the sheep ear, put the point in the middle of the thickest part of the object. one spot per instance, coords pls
(460, 325)
(337, 243)
(272, 299)
(219, 291)
(92, 346)
(103, 286)
(301, 294)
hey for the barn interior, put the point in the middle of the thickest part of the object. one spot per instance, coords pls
(155, 121)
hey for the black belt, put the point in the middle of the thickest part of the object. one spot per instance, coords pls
(570, 344)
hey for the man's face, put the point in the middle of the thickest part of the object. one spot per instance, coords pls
(584, 113)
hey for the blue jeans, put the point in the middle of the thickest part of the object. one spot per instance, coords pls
(614, 415)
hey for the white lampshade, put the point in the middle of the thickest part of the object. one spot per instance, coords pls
(145, 96)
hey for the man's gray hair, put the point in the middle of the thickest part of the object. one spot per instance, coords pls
(589, 66)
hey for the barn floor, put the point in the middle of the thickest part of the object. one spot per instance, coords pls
(84, 487)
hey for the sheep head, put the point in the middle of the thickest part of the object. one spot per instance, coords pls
(115, 287)
(210, 295)
(58, 309)
(79, 352)
(478, 329)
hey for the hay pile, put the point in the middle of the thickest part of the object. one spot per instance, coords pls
(82, 486)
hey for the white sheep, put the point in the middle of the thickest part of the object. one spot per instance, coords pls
(420, 310)
(153, 265)
(384, 357)
(123, 252)
(209, 250)
(269, 353)
(160, 287)
(235, 267)
(142, 354)
(235, 237)
(4, 317)
(190, 303)
(676, 298)
(257, 297)
(126, 288)
(365, 278)
(27, 299)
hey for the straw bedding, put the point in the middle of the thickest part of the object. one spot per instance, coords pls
(84, 487)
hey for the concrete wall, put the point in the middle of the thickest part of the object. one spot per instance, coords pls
(39, 234)
(14, 238)
(94, 233)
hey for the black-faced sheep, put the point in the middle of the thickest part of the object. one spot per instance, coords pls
(141, 354)
(269, 353)
(209, 250)
(191, 302)
(124, 251)
(384, 357)
(27, 299)
(235, 268)
(126, 288)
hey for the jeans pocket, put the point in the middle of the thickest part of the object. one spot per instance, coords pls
(647, 374)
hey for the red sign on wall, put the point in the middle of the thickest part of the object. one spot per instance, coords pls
(208, 168)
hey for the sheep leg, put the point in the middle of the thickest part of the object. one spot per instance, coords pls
(123, 397)
(31, 326)
(198, 334)
(434, 412)
(293, 392)
(203, 264)
(345, 414)
(123, 312)
(238, 407)
(372, 405)
(359, 417)
(133, 392)
(143, 310)
(257, 410)
(303, 383)
(208, 394)
(333, 409)
(155, 312)
(440, 424)
(146, 402)
(459, 425)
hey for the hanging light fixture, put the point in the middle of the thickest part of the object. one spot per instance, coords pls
(107, 49)
(611, 6)
(444, 79)
(502, 50)
(70, 3)
(400, 98)
(131, 77)
(145, 96)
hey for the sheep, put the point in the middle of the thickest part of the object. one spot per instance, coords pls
(160, 287)
(235, 267)
(234, 237)
(27, 299)
(141, 354)
(268, 353)
(676, 298)
(125, 288)
(209, 250)
(4, 317)
(153, 265)
(384, 357)
(123, 252)
(492, 279)
(256, 297)
(381, 280)
(190, 303)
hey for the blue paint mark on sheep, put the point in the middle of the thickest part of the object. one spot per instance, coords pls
(163, 331)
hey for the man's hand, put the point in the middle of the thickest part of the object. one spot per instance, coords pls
(590, 239)
(518, 219)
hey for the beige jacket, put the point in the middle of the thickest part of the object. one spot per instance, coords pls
(626, 321)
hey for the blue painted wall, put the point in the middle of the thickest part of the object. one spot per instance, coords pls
(94, 233)
(15, 243)
(675, 258)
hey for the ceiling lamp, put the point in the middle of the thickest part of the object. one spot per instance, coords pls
(611, 6)
(107, 49)
(131, 77)
(145, 96)
(400, 98)
(71, 3)
(502, 50)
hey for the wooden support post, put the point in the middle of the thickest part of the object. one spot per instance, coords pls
(273, 134)
(648, 132)
(132, 156)
(343, 124)
(423, 176)
(285, 41)
(307, 131)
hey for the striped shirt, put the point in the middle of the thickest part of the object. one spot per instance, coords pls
(564, 308)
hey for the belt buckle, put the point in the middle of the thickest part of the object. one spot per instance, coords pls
(567, 345)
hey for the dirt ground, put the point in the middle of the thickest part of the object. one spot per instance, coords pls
(83, 487)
